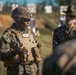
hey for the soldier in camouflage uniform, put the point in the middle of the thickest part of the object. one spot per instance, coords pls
(68, 31)
(63, 61)
(19, 48)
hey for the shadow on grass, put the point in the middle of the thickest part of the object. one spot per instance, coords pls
(49, 26)
(44, 31)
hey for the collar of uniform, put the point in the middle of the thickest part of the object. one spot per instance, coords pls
(22, 31)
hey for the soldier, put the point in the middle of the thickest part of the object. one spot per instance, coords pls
(20, 50)
(63, 61)
(68, 31)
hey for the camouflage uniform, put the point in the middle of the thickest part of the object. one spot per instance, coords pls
(14, 62)
(63, 61)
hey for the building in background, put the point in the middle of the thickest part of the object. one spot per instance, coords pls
(14, 5)
(1, 6)
(48, 9)
(63, 8)
(32, 8)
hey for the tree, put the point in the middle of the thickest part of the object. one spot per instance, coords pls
(59, 3)
(41, 5)
(54, 4)
(64, 2)
(24, 3)
(7, 7)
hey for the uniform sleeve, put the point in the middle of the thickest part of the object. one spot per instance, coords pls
(5, 50)
(37, 57)
(55, 39)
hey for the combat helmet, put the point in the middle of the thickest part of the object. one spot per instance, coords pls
(20, 12)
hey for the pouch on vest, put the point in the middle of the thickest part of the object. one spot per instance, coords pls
(9, 63)
(30, 68)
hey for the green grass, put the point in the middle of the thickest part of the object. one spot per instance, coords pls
(46, 40)
(47, 16)
(2, 69)
(1, 30)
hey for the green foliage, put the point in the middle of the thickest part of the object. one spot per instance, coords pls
(46, 18)
(7, 8)
(24, 3)
(40, 6)
(46, 40)
(1, 30)
(64, 2)
(2, 69)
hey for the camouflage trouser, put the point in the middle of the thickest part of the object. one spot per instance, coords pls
(17, 69)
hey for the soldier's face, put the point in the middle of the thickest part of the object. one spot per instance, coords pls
(70, 20)
(24, 23)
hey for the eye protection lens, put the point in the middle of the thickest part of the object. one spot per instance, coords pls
(26, 19)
